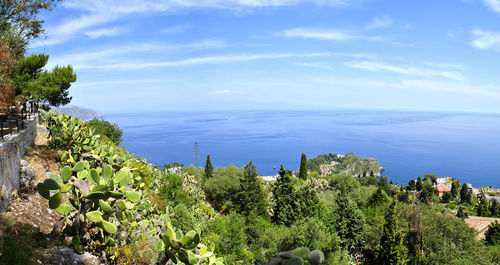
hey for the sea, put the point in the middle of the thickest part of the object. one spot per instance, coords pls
(407, 144)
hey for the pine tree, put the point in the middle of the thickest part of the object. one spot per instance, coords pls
(349, 224)
(285, 201)
(251, 199)
(308, 203)
(303, 167)
(419, 184)
(392, 247)
(379, 197)
(209, 169)
(465, 194)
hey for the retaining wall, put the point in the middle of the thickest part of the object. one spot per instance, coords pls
(12, 149)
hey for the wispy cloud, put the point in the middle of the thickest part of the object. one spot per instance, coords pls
(380, 22)
(175, 29)
(87, 58)
(99, 13)
(314, 65)
(418, 85)
(493, 4)
(486, 39)
(326, 34)
(80, 61)
(227, 92)
(108, 32)
(375, 66)
(446, 65)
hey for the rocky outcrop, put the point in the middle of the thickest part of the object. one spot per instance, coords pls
(26, 176)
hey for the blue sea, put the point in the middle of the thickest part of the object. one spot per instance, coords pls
(407, 144)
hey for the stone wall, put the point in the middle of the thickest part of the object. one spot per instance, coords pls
(12, 149)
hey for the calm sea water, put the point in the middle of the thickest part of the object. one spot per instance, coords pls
(407, 144)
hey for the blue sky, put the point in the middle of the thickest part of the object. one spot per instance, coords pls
(182, 55)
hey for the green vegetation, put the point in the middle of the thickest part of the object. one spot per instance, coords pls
(339, 164)
(135, 212)
(303, 167)
(105, 128)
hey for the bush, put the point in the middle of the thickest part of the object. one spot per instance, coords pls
(105, 128)
(492, 236)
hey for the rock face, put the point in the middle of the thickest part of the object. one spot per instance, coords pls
(26, 176)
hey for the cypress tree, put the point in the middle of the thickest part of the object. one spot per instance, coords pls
(284, 199)
(465, 194)
(209, 169)
(392, 247)
(419, 184)
(482, 209)
(251, 199)
(303, 167)
(494, 208)
(415, 239)
(372, 174)
(455, 187)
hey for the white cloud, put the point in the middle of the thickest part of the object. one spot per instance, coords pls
(380, 22)
(418, 85)
(486, 39)
(176, 29)
(326, 34)
(227, 92)
(493, 4)
(314, 65)
(100, 12)
(107, 59)
(104, 32)
(446, 65)
(85, 59)
(375, 66)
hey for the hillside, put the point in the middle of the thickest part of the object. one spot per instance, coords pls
(349, 164)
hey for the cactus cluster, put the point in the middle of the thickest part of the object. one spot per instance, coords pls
(104, 195)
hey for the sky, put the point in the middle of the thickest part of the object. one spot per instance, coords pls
(219, 55)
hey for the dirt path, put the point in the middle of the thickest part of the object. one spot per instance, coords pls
(480, 224)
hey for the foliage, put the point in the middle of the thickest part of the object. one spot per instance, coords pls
(447, 197)
(284, 199)
(494, 207)
(111, 198)
(426, 193)
(482, 209)
(348, 222)
(419, 184)
(222, 188)
(412, 185)
(209, 169)
(465, 194)
(105, 128)
(340, 164)
(455, 188)
(250, 199)
(303, 167)
(393, 250)
(378, 198)
(51, 87)
(492, 235)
